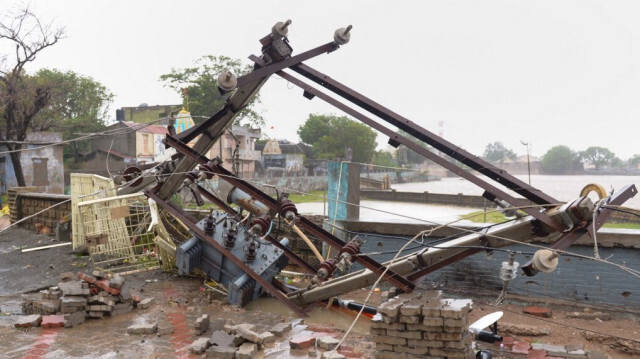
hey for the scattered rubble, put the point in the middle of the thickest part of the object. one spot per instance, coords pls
(78, 297)
(524, 330)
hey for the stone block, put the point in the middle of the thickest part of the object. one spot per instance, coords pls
(433, 321)
(221, 352)
(116, 282)
(249, 335)
(222, 339)
(202, 324)
(390, 340)
(52, 321)
(390, 308)
(73, 288)
(413, 308)
(146, 303)
(147, 328)
(404, 334)
(267, 337)
(456, 308)
(28, 321)
(328, 343)
(199, 346)
(74, 319)
(332, 355)
(456, 323)
(411, 350)
(301, 342)
(409, 319)
(247, 351)
(100, 299)
(389, 355)
(281, 329)
(73, 301)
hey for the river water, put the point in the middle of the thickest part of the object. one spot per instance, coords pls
(563, 188)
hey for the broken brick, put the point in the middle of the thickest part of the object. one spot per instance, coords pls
(302, 342)
(52, 321)
(538, 312)
(29, 321)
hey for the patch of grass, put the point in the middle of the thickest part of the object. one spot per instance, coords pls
(479, 217)
(313, 196)
(622, 225)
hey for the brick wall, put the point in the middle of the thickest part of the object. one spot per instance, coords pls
(26, 203)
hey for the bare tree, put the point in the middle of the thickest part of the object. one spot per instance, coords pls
(21, 96)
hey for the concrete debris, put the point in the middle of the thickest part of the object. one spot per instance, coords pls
(524, 330)
(328, 343)
(28, 321)
(52, 321)
(199, 346)
(148, 328)
(221, 352)
(332, 355)
(247, 351)
(202, 324)
(301, 342)
(589, 316)
(146, 303)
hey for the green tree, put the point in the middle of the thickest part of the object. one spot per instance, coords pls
(77, 104)
(598, 157)
(330, 137)
(559, 160)
(383, 158)
(22, 97)
(198, 85)
(496, 151)
(634, 161)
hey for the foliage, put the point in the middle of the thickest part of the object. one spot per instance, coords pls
(559, 160)
(496, 151)
(22, 98)
(482, 217)
(383, 158)
(599, 157)
(198, 85)
(405, 155)
(330, 136)
(634, 161)
(78, 104)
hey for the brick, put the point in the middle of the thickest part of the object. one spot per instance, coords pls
(443, 336)
(73, 301)
(146, 303)
(433, 321)
(389, 355)
(52, 321)
(536, 354)
(390, 340)
(456, 323)
(411, 308)
(95, 314)
(390, 308)
(332, 355)
(409, 319)
(301, 342)
(327, 343)
(280, 329)
(99, 308)
(522, 348)
(410, 350)
(66, 276)
(456, 308)
(382, 346)
(404, 334)
(378, 331)
(74, 319)
(221, 352)
(101, 299)
(247, 351)
(73, 288)
(199, 346)
(148, 328)
(249, 335)
(86, 278)
(267, 337)
(28, 321)
(538, 312)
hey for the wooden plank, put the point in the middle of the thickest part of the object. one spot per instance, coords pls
(46, 247)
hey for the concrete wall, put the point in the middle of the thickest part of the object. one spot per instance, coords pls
(575, 279)
(426, 197)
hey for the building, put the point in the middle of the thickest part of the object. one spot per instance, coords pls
(132, 144)
(281, 157)
(237, 149)
(144, 113)
(42, 163)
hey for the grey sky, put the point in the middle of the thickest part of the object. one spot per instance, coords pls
(546, 72)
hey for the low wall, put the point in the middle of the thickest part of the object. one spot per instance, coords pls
(25, 204)
(426, 197)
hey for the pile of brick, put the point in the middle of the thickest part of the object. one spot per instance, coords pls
(423, 325)
(78, 297)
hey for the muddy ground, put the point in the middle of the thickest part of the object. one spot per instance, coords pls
(31, 271)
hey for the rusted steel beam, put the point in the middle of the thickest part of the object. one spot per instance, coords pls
(228, 255)
(442, 145)
(441, 264)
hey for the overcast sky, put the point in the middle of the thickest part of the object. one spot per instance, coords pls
(544, 72)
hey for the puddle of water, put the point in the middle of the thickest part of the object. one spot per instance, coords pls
(319, 315)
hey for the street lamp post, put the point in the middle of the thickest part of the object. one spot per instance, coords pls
(528, 145)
